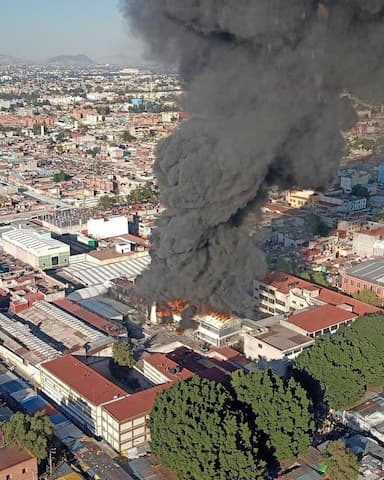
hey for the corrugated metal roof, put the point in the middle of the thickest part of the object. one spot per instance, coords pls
(33, 242)
(91, 275)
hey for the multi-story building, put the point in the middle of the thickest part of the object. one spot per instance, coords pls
(36, 250)
(79, 391)
(281, 293)
(16, 464)
(369, 243)
(368, 275)
(218, 329)
(299, 198)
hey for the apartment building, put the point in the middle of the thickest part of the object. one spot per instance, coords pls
(280, 293)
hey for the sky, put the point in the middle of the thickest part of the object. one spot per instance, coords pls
(39, 29)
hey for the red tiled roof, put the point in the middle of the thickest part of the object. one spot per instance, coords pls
(284, 282)
(335, 298)
(85, 381)
(136, 405)
(163, 364)
(319, 318)
(377, 232)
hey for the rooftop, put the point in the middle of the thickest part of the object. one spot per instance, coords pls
(284, 282)
(319, 318)
(70, 332)
(82, 379)
(372, 411)
(29, 240)
(12, 456)
(371, 271)
(283, 338)
(338, 299)
(137, 405)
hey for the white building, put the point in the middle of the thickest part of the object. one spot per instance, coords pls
(36, 250)
(100, 228)
(218, 330)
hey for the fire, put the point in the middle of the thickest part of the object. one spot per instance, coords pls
(175, 307)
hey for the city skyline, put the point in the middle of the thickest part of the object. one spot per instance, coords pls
(91, 27)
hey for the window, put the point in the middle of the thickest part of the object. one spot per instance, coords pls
(55, 260)
(8, 477)
(24, 471)
(260, 345)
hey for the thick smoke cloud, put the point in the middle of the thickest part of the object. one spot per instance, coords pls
(265, 80)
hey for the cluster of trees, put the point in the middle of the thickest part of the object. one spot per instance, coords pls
(340, 463)
(32, 433)
(61, 177)
(203, 430)
(339, 368)
(317, 226)
(141, 194)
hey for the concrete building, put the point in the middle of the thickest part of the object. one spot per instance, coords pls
(281, 293)
(275, 342)
(218, 330)
(368, 275)
(369, 243)
(100, 228)
(16, 464)
(351, 178)
(299, 198)
(79, 391)
(36, 250)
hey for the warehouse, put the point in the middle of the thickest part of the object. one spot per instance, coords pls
(38, 250)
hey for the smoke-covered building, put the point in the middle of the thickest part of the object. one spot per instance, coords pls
(37, 250)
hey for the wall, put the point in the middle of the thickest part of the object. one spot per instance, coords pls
(26, 470)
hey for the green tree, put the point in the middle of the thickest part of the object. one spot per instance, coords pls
(127, 137)
(61, 177)
(340, 462)
(122, 355)
(368, 296)
(107, 201)
(32, 433)
(196, 432)
(282, 411)
(342, 366)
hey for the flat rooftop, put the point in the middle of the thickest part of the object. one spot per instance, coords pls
(32, 242)
(283, 338)
(371, 271)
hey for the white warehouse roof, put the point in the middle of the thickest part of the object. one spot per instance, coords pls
(34, 243)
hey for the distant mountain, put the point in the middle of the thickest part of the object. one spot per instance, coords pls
(80, 60)
(10, 60)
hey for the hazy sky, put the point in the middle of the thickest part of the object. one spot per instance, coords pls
(37, 29)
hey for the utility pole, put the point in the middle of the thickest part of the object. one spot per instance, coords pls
(51, 450)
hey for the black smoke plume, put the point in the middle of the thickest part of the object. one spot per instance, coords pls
(264, 82)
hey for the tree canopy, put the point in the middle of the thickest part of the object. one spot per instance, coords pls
(360, 191)
(123, 355)
(32, 433)
(197, 433)
(282, 411)
(340, 462)
(368, 296)
(61, 177)
(344, 365)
